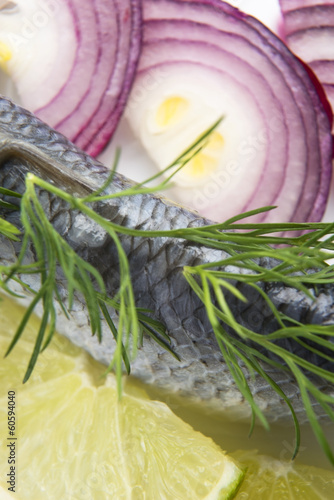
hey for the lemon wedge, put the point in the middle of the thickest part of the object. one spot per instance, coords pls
(269, 478)
(75, 440)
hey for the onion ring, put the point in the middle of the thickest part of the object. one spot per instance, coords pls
(202, 59)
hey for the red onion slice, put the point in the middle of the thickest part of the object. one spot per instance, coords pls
(205, 59)
(309, 32)
(324, 70)
(75, 64)
(287, 5)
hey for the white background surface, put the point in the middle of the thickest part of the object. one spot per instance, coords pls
(267, 11)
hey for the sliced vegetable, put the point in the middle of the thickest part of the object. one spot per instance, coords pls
(73, 62)
(309, 32)
(296, 4)
(202, 60)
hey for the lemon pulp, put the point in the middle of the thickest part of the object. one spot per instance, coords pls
(273, 479)
(76, 440)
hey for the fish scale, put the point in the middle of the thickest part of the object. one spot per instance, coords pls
(156, 264)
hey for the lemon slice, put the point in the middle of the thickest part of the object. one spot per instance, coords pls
(76, 441)
(271, 479)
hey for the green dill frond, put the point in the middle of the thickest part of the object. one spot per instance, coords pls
(243, 348)
(9, 230)
(6, 229)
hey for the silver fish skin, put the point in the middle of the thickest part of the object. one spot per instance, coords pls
(28, 145)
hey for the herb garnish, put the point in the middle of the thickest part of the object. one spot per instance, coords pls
(296, 256)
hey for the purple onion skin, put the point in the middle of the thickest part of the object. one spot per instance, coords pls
(321, 92)
(287, 5)
(89, 117)
(311, 19)
(101, 135)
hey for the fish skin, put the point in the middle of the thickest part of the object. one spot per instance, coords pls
(28, 145)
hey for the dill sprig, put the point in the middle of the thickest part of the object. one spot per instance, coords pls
(53, 253)
(299, 261)
(7, 229)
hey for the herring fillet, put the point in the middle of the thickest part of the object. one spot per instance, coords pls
(27, 144)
